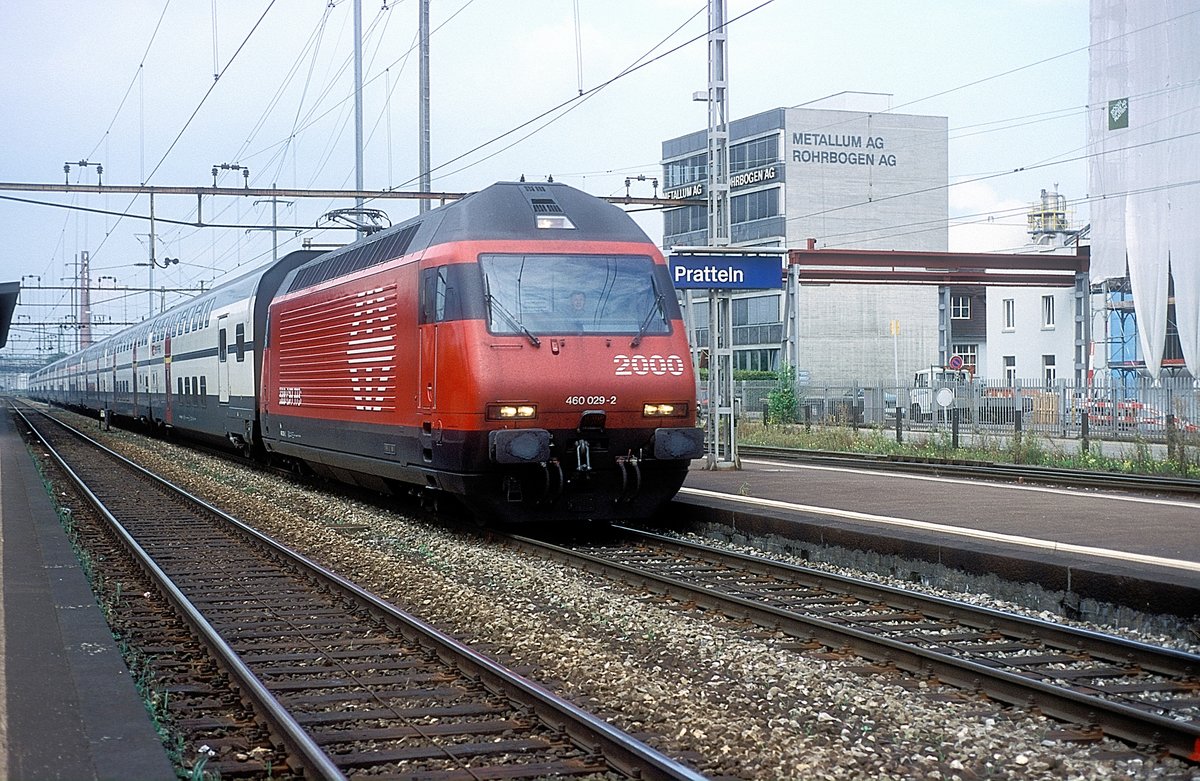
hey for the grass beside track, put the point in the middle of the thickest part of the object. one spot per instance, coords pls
(1139, 459)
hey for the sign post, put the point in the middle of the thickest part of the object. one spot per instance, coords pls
(721, 272)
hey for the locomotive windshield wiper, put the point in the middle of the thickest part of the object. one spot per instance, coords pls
(646, 323)
(512, 319)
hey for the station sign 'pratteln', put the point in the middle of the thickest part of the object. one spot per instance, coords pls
(726, 271)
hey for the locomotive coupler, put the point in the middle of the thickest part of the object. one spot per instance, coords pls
(583, 455)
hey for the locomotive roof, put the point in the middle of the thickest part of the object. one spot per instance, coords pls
(502, 211)
(509, 210)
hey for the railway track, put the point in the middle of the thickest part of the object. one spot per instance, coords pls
(347, 684)
(1100, 684)
(980, 470)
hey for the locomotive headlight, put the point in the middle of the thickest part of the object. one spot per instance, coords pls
(511, 411)
(671, 409)
(554, 221)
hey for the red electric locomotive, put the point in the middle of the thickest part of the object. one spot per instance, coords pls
(521, 348)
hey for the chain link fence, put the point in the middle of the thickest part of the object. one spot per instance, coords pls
(1137, 409)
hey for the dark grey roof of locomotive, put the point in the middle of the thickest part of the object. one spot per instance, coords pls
(503, 211)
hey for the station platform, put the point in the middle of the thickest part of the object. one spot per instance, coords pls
(1127, 550)
(68, 705)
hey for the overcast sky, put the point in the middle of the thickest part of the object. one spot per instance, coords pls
(130, 84)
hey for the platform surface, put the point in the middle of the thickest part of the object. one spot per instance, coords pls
(1083, 532)
(68, 706)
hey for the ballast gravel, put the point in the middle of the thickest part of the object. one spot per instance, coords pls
(730, 700)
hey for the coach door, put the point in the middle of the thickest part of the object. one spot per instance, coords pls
(169, 415)
(223, 359)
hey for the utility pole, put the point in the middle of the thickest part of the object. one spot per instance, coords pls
(274, 223)
(153, 263)
(74, 287)
(425, 184)
(358, 107)
(85, 301)
(722, 436)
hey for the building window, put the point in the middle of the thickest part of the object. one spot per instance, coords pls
(1049, 375)
(970, 355)
(756, 310)
(685, 171)
(1048, 311)
(1010, 370)
(685, 220)
(753, 154)
(1010, 314)
(754, 206)
(960, 307)
(756, 360)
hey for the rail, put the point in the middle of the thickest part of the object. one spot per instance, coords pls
(197, 554)
(1084, 677)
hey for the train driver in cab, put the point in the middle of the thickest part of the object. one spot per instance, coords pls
(577, 312)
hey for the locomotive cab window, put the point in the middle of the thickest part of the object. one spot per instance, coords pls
(443, 290)
(572, 294)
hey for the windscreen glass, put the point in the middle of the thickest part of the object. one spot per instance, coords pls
(573, 294)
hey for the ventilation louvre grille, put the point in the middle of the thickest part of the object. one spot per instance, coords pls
(349, 261)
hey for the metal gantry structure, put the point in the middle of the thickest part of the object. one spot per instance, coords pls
(722, 418)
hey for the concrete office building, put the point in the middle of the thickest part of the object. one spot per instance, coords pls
(849, 174)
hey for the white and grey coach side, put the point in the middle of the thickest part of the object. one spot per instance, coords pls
(195, 367)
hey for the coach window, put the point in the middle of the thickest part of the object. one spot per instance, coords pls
(222, 345)
(203, 391)
(240, 339)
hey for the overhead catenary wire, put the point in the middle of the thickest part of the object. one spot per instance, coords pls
(583, 96)
(192, 116)
(1000, 173)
